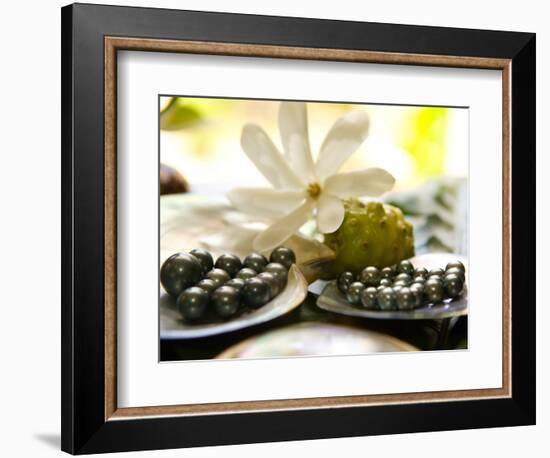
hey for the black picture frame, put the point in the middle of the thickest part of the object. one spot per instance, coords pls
(84, 426)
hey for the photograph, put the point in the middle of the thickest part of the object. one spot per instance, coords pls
(292, 228)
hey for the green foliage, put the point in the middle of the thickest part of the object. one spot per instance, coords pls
(179, 114)
(423, 136)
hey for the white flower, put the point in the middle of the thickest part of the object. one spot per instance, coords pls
(302, 188)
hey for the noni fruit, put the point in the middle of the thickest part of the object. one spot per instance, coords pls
(372, 234)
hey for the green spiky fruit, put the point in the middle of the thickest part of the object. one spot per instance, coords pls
(372, 234)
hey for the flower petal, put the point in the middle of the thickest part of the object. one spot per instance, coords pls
(330, 213)
(367, 182)
(343, 139)
(282, 229)
(265, 202)
(295, 138)
(262, 152)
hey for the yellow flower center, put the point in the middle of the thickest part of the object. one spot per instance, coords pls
(314, 190)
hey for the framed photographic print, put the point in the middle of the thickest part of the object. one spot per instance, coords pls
(272, 221)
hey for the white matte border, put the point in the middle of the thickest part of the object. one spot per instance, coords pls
(143, 381)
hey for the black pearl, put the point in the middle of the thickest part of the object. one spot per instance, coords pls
(369, 298)
(344, 280)
(192, 303)
(398, 287)
(218, 276)
(204, 258)
(400, 283)
(405, 267)
(179, 272)
(255, 261)
(417, 290)
(236, 283)
(283, 255)
(226, 301)
(420, 272)
(402, 277)
(387, 272)
(353, 294)
(419, 279)
(245, 273)
(433, 279)
(255, 292)
(273, 283)
(370, 276)
(405, 299)
(385, 282)
(433, 291)
(417, 284)
(230, 263)
(208, 285)
(380, 288)
(436, 273)
(386, 299)
(456, 271)
(452, 284)
(279, 272)
(456, 264)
